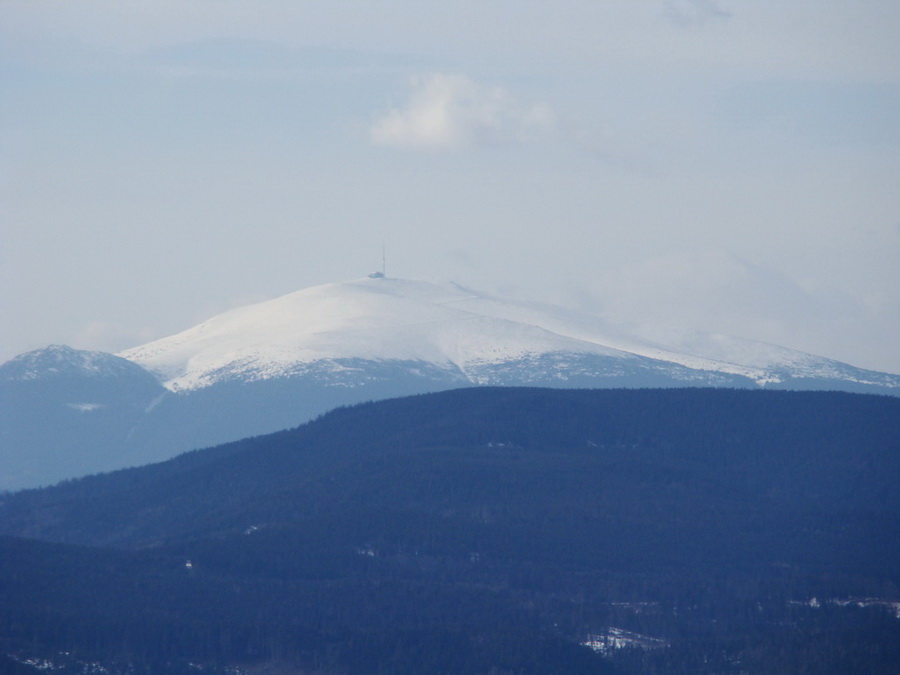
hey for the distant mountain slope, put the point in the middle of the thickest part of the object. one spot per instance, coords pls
(484, 528)
(272, 365)
(66, 412)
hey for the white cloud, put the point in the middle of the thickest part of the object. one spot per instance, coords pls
(447, 111)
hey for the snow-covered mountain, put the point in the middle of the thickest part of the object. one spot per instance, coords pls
(276, 364)
(463, 336)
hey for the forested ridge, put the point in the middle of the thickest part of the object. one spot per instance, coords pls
(482, 530)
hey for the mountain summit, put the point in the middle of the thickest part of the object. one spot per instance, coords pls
(452, 329)
(463, 336)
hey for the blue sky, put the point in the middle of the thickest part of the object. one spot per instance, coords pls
(725, 165)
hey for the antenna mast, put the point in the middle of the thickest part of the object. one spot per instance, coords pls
(380, 275)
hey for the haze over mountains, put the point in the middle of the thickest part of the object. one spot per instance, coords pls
(276, 364)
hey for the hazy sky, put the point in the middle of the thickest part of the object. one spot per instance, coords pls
(726, 165)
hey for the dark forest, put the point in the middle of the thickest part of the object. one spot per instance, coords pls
(481, 531)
